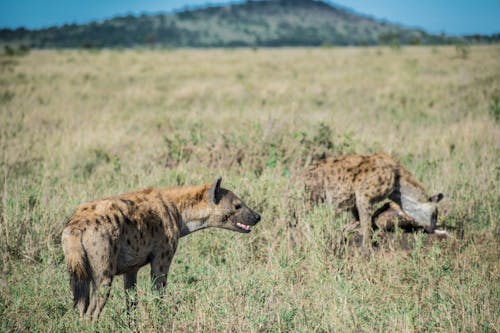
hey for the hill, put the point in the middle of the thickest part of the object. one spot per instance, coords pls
(252, 23)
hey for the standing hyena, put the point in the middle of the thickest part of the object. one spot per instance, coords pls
(119, 235)
(358, 182)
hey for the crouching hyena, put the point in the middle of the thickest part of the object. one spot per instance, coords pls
(119, 235)
(358, 182)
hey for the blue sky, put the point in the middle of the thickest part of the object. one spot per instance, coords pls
(449, 16)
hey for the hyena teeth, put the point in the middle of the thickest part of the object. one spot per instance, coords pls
(243, 226)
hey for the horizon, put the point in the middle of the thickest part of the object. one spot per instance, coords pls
(426, 15)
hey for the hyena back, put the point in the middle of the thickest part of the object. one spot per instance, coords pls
(358, 182)
(119, 235)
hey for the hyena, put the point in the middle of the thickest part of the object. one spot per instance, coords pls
(119, 235)
(359, 182)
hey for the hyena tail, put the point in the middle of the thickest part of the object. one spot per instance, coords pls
(78, 267)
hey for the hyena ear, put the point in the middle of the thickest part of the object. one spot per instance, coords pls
(436, 198)
(213, 193)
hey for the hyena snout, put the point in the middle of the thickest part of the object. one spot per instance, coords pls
(246, 219)
(253, 217)
(256, 217)
(234, 214)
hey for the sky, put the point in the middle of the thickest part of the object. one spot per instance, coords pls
(455, 17)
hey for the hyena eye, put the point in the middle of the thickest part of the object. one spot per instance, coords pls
(237, 206)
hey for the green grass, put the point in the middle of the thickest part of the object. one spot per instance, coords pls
(78, 125)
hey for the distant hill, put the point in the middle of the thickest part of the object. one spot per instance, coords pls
(252, 23)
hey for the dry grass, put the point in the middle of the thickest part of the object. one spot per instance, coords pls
(79, 125)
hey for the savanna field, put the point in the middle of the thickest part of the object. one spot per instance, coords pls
(79, 125)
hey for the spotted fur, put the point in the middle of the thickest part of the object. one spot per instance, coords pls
(359, 182)
(121, 234)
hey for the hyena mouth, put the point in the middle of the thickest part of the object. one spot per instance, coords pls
(244, 227)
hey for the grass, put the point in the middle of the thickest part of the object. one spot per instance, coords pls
(80, 125)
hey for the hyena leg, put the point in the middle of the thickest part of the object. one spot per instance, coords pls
(129, 283)
(101, 294)
(82, 307)
(365, 211)
(91, 307)
(159, 271)
(101, 260)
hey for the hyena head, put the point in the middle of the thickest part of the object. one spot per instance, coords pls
(227, 211)
(424, 213)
